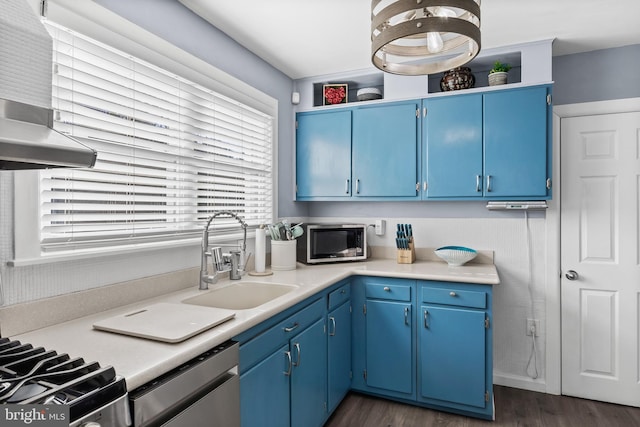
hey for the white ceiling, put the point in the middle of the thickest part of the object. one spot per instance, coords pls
(305, 38)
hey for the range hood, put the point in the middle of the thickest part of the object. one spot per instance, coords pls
(27, 138)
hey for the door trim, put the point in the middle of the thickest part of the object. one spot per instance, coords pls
(553, 354)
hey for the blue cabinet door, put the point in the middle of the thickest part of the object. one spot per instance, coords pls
(339, 354)
(389, 363)
(323, 154)
(515, 143)
(309, 376)
(264, 392)
(452, 355)
(452, 128)
(385, 151)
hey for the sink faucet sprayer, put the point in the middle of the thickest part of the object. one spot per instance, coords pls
(234, 262)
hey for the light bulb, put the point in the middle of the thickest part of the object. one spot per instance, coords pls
(434, 42)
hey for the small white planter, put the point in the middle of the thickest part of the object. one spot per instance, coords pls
(499, 78)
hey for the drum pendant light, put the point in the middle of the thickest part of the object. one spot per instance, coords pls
(416, 37)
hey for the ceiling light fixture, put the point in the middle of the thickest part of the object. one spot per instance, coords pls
(416, 37)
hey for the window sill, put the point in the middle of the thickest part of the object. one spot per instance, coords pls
(81, 254)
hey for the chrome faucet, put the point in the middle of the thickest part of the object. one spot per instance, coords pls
(235, 263)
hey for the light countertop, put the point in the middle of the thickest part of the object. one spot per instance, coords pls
(140, 360)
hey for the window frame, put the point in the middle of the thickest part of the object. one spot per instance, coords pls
(123, 35)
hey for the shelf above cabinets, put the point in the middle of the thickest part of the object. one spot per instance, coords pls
(531, 64)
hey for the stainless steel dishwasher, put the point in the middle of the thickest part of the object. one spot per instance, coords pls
(202, 392)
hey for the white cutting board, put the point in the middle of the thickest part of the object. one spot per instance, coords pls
(166, 322)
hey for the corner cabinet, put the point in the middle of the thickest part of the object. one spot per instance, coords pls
(339, 345)
(295, 368)
(283, 380)
(494, 145)
(349, 154)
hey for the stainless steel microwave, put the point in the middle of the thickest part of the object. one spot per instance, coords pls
(324, 243)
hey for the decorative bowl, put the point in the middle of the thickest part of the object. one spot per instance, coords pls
(457, 78)
(456, 255)
(368, 94)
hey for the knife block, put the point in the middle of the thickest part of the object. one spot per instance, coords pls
(406, 256)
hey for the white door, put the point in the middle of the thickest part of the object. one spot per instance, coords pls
(600, 246)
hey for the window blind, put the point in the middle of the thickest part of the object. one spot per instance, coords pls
(170, 152)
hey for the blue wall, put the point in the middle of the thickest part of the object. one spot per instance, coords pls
(172, 21)
(598, 75)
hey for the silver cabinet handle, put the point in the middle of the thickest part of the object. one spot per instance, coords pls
(426, 315)
(346, 188)
(478, 183)
(488, 183)
(572, 275)
(453, 294)
(357, 186)
(288, 356)
(291, 328)
(332, 332)
(343, 291)
(297, 347)
(386, 289)
(406, 315)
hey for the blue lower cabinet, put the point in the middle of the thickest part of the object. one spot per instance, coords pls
(389, 346)
(264, 392)
(309, 376)
(283, 380)
(426, 343)
(339, 354)
(383, 337)
(455, 358)
(452, 355)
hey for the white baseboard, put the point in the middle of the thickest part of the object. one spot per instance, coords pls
(516, 381)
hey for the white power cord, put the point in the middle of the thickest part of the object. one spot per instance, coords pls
(534, 351)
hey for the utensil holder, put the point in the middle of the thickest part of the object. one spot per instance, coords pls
(283, 254)
(406, 256)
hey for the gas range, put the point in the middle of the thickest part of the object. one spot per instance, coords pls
(95, 395)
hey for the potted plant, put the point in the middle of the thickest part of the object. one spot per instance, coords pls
(498, 74)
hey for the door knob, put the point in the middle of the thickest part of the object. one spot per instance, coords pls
(572, 275)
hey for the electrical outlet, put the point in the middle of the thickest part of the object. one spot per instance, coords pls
(533, 327)
(380, 223)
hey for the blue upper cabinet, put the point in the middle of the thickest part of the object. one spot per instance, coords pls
(491, 145)
(385, 149)
(452, 128)
(369, 153)
(323, 154)
(516, 143)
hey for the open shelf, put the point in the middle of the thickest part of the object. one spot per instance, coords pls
(480, 69)
(375, 80)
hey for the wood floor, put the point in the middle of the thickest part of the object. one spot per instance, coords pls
(514, 407)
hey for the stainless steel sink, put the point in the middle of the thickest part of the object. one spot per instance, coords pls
(241, 296)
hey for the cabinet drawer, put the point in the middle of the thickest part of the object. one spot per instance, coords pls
(340, 295)
(265, 343)
(452, 296)
(388, 291)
